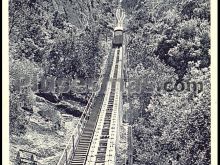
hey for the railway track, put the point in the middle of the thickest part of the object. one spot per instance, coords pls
(93, 141)
(103, 147)
(82, 149)
(103, 142)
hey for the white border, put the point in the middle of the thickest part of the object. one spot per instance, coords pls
(5, 83)
(214, 87)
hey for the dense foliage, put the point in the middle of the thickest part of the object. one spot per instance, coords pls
(169, 41)
(55, 38)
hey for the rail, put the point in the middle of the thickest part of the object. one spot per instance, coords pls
(72, 142)
(84, 144)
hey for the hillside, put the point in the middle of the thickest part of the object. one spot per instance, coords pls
(57, 49)
(168, 49)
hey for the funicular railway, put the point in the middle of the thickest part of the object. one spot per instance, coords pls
(103, 147)
(94, 141)
(99, 123)
(83, 147)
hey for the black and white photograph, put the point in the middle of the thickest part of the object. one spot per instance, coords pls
(110, 82)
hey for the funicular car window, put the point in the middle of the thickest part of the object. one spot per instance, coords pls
(118, 32)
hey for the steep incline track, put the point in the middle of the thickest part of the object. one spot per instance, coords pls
(102, 146)
(93, 142)
(80, 155)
